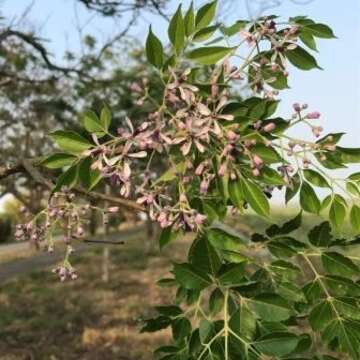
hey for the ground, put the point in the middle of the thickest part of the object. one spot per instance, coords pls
(87, 319)
(41, 318)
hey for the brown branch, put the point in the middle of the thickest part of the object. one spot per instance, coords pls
(104, 242)
(159, 11)
(29, 167)
(7, 170)
(34, 42)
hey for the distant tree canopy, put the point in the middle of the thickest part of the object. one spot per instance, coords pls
(116, 8)
(39, 93)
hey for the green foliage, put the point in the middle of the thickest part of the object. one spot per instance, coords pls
(268, 295)
(154, 50)
(209, 55)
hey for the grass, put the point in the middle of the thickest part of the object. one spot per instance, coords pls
(41, 318)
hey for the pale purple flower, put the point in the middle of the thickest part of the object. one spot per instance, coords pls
(313, 115)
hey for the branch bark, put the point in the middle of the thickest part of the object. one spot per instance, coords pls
(29, 167)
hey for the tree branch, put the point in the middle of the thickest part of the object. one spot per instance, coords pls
(34, 42)
(29, 167)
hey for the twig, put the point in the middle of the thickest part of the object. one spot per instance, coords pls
(104, 242)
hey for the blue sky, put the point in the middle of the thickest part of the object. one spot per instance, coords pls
(335, 91)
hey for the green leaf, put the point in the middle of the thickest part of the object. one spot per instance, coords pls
(271, 177)
(88, 177)
(301, 59)
(191, 278)
(337, 213)
(341, 286)
(353, 189)
(280, 249)
(68, 178)
(235, 194)
(189, 20)
(286, 228)
(92, 123)
(355, 177)
(176, 30)
(243, 322)
(308, 199)
(349, 155)
(267, 153)
(347, 307)
(203, 256)
(271, 307)
(205, 33)
(277, 343)
(205, 15)
(165, 237)
(313, 291)
(154, 50)
(320, 31)
(332, 138)
(58, 160)
(70, 141)
(321, 315)
(153, 325)
(171, 310)
(308, 39)
(172, 173)
(181, 328)
(337, 264)
(235, 28)
(355, 218)
(166, 282)
(291, 191)
(105, 118)
(347, 333)
(290, 291)
(216, 301)
(231, 274)
(285, 269)
(255, 197)
(223, 240)
(320, 235)
(206, 330)
(209, 55)
(315, 178)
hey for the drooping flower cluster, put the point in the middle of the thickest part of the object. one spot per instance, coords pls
(200, 140)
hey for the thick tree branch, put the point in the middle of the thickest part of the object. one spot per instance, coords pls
(29, 167)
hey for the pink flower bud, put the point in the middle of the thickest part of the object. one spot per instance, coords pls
(135, 87)
(313, 115)
(113, 209)
(199, 170)
(222, 169)
(317, 130)
(257, 161)
(232, 136)
(199, 219)
(80, 231)
(297, 107)
(204, 185)
(269, 127)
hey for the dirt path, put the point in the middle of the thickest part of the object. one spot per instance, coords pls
(40, 260)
